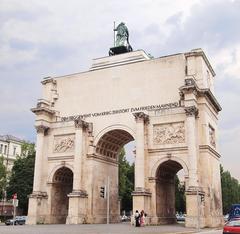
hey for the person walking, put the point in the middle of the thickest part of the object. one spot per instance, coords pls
(142, 217)
(137, 219)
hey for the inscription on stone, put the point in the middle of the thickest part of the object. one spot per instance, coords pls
(170, 133)
(63, 144)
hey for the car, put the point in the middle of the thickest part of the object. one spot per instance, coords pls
(226, 217)
(19, 220)
(10, 222)
(232, 226)
(180, 217)
(124, 218)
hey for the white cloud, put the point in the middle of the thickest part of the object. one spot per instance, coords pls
(41, 38)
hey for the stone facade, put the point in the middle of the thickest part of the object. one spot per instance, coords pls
(10, 148)
(166, 105)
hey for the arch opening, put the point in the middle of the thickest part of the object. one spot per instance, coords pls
(62, 185)
(167, 191)
(110, 148)
(110, 144)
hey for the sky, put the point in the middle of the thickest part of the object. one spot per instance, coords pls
(58, 37)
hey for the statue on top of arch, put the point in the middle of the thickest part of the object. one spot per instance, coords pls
(122, 44)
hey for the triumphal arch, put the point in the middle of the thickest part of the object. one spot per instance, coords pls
(166, 105)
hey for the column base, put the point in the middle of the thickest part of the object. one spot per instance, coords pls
(195, 208)
(77, 211)
(37, 207)
(142, 201)
(162, 220)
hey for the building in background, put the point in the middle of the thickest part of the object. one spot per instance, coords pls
(10, 147)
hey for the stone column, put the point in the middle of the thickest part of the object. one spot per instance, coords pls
(191, 113)
(141, 197)
(38, 197)
(80, 126)
(41, 130)
(77, 211)
(141, 119)
(193, 204)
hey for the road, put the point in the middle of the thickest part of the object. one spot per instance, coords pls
(124, 228)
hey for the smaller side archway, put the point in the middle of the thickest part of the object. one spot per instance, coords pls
(62, 185)
(165, 172)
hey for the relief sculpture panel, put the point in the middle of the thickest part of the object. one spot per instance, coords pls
(63, 144)
(212, 136)
(170, 133)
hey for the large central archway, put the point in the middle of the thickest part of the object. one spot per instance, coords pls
(61, 187)
(165, 191)
(108, 149)
(110, 144)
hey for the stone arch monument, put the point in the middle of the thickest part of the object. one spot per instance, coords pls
(167, 105)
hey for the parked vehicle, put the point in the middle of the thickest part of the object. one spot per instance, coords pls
(10, 222)
(232, 226)
(226, 217)
(19, 220)
(180, 217)
(234, 211)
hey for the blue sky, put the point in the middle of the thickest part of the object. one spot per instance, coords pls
(53, 38)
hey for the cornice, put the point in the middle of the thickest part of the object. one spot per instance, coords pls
(191, 86)
(172, 149)
(38, 110)
(209, 148)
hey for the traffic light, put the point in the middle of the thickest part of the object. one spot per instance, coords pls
(103, 191)
(202, 198)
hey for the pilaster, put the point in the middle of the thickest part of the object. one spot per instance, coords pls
(192, 113)
(38, 198)
(77, 211)
(141, 196)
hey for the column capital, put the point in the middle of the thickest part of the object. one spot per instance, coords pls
(42, 129)
(141, 116)
(79, 123)
(191, 111)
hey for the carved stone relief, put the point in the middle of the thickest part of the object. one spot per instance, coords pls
(212, 139)
(170, 133)
(63, 144)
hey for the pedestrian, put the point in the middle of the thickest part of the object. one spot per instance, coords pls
(137, 219)
(142, 218)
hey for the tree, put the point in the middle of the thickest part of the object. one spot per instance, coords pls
(3, 177)
(126, 181)
(180, 198)
(21, 178)
(230, 190)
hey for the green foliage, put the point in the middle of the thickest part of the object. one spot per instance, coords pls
(27, 148)
(21, 179)
(180, 198)
(3, 177)
(126, 182)
(230, 190)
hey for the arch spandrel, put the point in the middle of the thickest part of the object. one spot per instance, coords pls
(165, 159)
